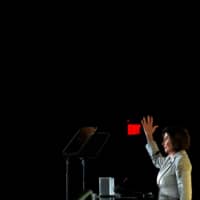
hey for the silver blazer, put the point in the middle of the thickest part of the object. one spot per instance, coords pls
(174, 176)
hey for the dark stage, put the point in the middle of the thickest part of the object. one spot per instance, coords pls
(122, 157)
(60, 114)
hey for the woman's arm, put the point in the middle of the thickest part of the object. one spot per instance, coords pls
(151, 146)
(184, 180)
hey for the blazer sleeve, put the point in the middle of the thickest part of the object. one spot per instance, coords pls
(155, 154)
(183, 175)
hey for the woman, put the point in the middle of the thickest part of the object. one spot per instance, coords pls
(174, 176)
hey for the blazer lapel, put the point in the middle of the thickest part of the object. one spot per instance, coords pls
(165, 167)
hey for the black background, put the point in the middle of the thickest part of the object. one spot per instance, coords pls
(80, 71)
(107, 104)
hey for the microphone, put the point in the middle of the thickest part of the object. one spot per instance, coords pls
(119, 187)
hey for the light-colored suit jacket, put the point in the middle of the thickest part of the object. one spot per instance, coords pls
(174, 176)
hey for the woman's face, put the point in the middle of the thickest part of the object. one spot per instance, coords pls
(167, 144)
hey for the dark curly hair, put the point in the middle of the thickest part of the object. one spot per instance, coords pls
(179, 136)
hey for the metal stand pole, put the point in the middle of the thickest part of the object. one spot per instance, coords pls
(67, 179)
(83, 173)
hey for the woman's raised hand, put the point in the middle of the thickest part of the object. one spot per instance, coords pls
(148, 127)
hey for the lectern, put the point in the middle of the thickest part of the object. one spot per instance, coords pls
(87, 142)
